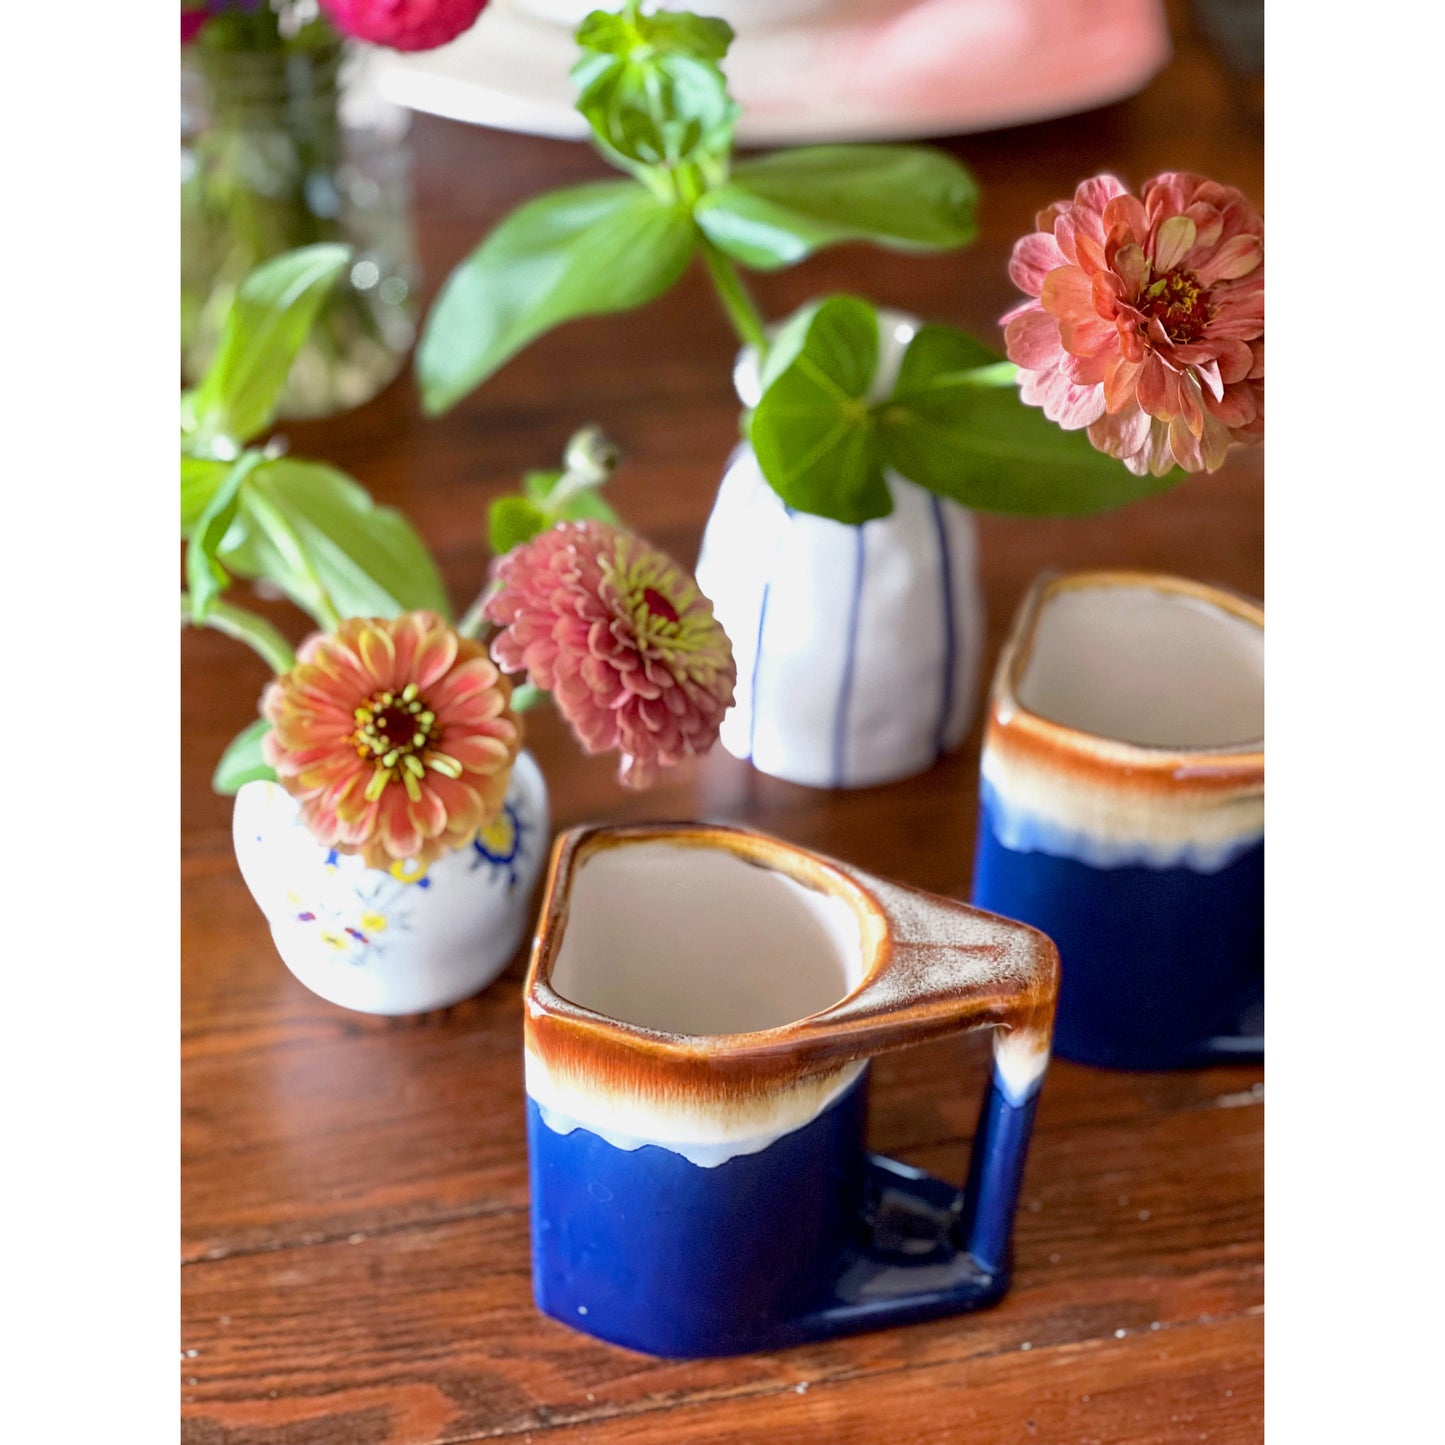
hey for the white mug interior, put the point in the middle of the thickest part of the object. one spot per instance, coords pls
(1147, 666)
(694, 939)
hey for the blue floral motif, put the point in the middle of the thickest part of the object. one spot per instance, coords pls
(501, 845)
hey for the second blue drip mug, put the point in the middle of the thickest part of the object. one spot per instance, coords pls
(1122, 812)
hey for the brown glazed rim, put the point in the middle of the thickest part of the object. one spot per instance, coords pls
(997, 973)
(1014, 728)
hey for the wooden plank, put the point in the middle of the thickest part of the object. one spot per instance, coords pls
(1118, 1233)
(1182, 1383)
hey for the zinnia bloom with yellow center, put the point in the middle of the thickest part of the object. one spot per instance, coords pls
(621, 637)
(1147, 325)
(395, 736)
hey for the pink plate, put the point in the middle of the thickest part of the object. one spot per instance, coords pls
(808, 71)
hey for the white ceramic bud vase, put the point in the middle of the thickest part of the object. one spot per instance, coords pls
(403, 940)
(858, 648)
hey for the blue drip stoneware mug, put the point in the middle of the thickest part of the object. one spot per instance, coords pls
(1122, 812)
(700, 1009)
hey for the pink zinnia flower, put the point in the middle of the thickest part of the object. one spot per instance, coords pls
(404, 24)
(621, 637)
(397, 737)
(1148, 327)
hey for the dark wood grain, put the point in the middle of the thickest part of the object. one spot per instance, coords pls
(355, 1267)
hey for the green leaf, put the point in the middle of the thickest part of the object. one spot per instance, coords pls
(243, 762)
(656, 109)
(672, 32)
(787, 340)
(190, 423)
(537, 486)
(776, 210)
(957, 426)
(678, 32)
(606, 34)
(651, 87)
(317, 535)
(813, 430)
(200, 479)
(526, 695)
(269, 320)
(587, 506)
(206, 576)
(603, 247)
(938, 352)
(514, 520)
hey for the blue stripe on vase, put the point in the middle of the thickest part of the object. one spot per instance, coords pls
(946, 569)
(758, 656)
(845, 686)
(757, 665)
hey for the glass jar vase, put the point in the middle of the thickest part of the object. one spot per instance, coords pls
(288, 145)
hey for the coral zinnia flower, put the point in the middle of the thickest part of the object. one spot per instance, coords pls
(397, 737)
(621, 637)
(1148, 327)
(404, 24)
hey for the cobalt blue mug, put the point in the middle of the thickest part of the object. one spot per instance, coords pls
(1122, 812)
(700, 1009)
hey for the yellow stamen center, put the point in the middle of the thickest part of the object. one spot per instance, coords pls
(394, 732)
(1179, 303)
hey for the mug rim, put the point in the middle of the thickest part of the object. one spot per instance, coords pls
(575, 847)
(1235, 764)
(916, 983)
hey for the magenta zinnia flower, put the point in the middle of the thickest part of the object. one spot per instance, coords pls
(1148, 322)
(404, 24)
(397, 737)
(621, 637)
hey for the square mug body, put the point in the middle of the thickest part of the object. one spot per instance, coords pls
(701, 1007)
(1122, 812)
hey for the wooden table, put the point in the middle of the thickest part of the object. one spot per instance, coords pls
(355, 1188)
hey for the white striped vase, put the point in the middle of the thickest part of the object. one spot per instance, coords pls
(858, 648)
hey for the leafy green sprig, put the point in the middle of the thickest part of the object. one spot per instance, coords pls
(248, 510)
(654, 94)
(952, 422)
(251, 511)
(652, 89)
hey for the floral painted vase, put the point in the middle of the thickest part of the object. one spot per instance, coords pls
(403, 940)
(858, 648)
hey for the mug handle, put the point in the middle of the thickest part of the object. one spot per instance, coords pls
(941, 967)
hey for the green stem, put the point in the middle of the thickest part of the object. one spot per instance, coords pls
(255, 632)
(526, 695)
(474, 617)
(293, 552)
(747, 320)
